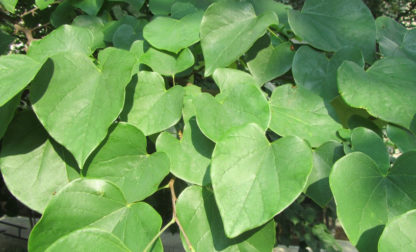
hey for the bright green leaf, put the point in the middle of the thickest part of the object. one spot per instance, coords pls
(122, 159)
(77, 109)
(199, 216)
(405, 140)
(330, 25)
(228, 29)
(254, 180)
(168, 64)
(297, 111)
(240, 102)
(366, 199)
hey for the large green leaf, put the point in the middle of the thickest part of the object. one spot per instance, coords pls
(36, 168)
(199, 216)
(330, 25)
(7, 113)
(314, 71)
(394, 39)
(91, 7)
(16, 72)
(390, 83)
(77, 109)
(405, 140)
(298, 112)
(367, 199)
(9, 5)
(190, 157)
(228, 29)
(240, 102)
(122, 159)
(324, 157)
(92, 203)
(167, 63)
(399, 234)
(254, 180)
(368, 142)
(153, 108)
(172, 35)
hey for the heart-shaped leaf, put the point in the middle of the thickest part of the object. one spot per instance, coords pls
(99, 204)
(254, 180)
(153, 108)
(405, 140)
(228, 29)
(394, 39)
(329, 25)
(173, 35)
(199, 217)
(315, 72)
(190, 157)
(367, 199)
(16, 72)
(240, 102)
(399, 234)
(36, 168)
(7, 113)
(298, 112)
(90, 100)
(389, 82)
(168, 64)
(122, 159)
(324, 157)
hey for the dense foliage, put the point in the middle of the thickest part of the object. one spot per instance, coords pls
(255, 117)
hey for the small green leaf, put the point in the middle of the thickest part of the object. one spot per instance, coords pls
(16, 72)
(190, 156)
(228, 29)
(168, 64)
(43, 4)
(240, 102)
(298, 112)
(172, 35)
(367, 199)
(329, 25)
(153, 108)
(122, 159)
(390, 83)
(254, 180)
(405, 140)
(36, 168)
(199, 216)
(9, 5)
(75, 109)
(91, 7)
(399, 234)
(98, 204)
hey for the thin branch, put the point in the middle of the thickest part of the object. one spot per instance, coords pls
(150, 244)
(173, 195)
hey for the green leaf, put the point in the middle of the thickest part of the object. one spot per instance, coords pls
(98, 204)
(91, 7)
(394, 39)
(228, 29)
(35, 169)
(367, 141)
(405, 140)
(153, 108)
(324, 157)
(190, 156)
(315, 72)
(390, 83)
(240, 102)
(16, 72)
(75, 109)
(122, 159)
(399, 234)
(366, 199)
(9, 5)
(7, 113)
(43, 4)
(199, 216)
(160, 7)
(271, 62)
(254, 180)
(330, 25)
(298, 112)
(172, 35)
(168, 64)
(62, 40)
